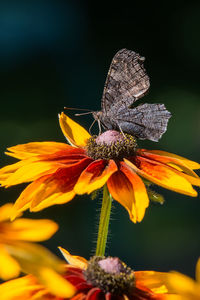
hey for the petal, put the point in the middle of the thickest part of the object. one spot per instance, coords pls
(129, 190)
(155, 281)
(30, 172)
(53, 189)
(6, 211)
(74, 260)
(31, 230)
(28, 150)
(183, 164)
(183, 285)
(56, 284)
(32, 257)
(45, 266)
(9, 268)
(162, 175)
(74, 133)
(21, 288)
(179, 159)
(198, 271)
(95, 176)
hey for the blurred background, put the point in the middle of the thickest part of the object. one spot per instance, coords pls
(57, 53)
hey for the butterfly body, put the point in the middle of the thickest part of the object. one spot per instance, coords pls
(126, 82)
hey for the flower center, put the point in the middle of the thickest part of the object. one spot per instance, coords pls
(110, 275)
(111, 145)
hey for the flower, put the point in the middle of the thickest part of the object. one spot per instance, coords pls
(59, 171)
(186, 287)
(100, 278)
(18, 234)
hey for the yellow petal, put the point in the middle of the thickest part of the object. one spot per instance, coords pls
(189, 163)
(183, 285)
(31, 230)
(9, 268)
(28, 150)
(198, 271)
(32, 257)
(6, 212)
(163, 176)
(55, 283)
(20, 289)
(74, 133)
(74, 260)
(30, 172)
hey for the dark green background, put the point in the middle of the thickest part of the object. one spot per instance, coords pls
(57, 53)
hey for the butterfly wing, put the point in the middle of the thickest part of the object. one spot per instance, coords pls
(146, 121)
(126, 81)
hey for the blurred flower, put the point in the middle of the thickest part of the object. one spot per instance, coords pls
(60, 171)
(19, 231)
(186, 287)
(100, 278)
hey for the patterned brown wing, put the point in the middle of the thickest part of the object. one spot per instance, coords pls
(126, 81)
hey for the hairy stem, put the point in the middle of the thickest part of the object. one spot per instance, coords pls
(104, 222)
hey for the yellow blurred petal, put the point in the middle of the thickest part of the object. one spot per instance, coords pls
(155, 281)
(20, 289)
(56, 284)
(6, 211)
(163, 176)
(31, 230)
(74, 260)
(189, 163)
(74, 133)
(183, 285)
(28, 150)
(198, 271)
(34, 257)
(9, 268)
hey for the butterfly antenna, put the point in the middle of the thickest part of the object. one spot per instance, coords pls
(91, 126)
(82, 114)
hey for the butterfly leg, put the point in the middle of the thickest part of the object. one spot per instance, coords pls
(121, 129)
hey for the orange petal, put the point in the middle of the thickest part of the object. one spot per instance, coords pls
(185, 165)
(76, 261)
(74, 133)
(9, 268)
(53, 189)
(129, 190)
(28, 150)
(31, 230)
(162, 175)
(95, 176)
(179, 159)
(155, 281)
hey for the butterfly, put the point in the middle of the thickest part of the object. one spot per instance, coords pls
(126, 82)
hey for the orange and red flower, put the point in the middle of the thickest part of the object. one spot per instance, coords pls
(146, 285)
(59, 171)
